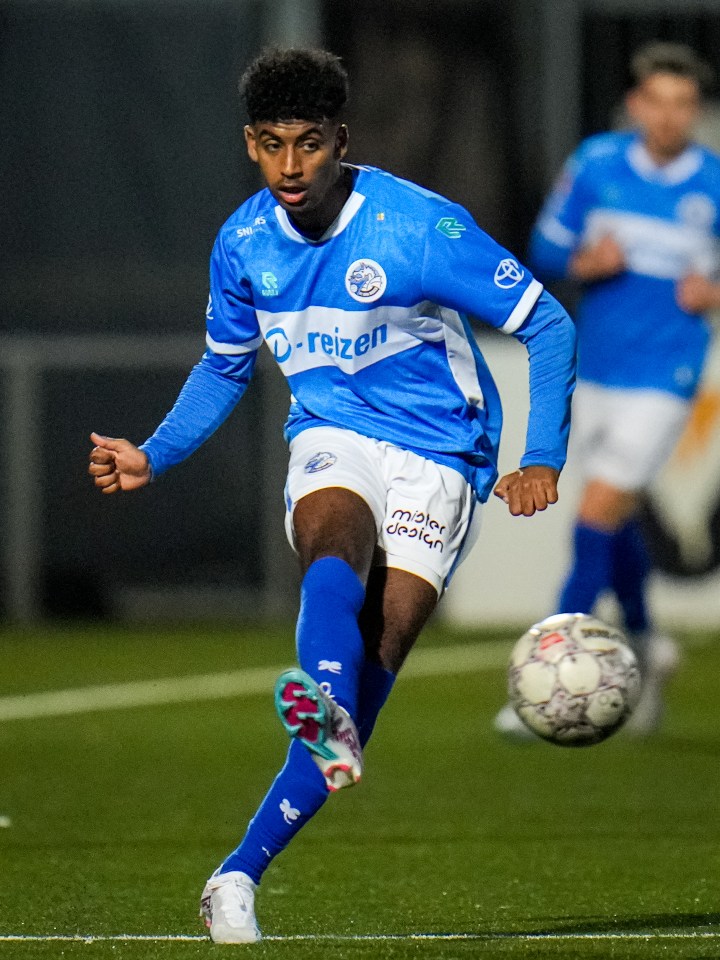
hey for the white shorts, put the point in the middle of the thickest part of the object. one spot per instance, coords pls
(624, 437)
(426, 514)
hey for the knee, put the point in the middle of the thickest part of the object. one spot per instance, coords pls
(606, 507)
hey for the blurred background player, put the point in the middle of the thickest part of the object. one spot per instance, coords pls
(635, 217)
(359, 282)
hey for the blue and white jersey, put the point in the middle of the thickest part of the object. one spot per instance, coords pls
(369, 323)
(632, 333)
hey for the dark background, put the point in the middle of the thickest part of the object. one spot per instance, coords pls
(121, 154)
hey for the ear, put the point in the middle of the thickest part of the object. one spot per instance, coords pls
(251, 143)
(632, 104)
(342, 138)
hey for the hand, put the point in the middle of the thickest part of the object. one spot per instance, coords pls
(696, 294)
(117, 464)
(528, 490)
(598, 261)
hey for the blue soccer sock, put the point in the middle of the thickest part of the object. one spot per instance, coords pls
(630, 570)
(329, 643)
(375, 685)
(591, 572)
(299, 790)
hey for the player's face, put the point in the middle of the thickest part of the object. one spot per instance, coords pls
(301, 164)
(665, 107)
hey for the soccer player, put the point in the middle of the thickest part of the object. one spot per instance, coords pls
(635, 217)
(360, 284)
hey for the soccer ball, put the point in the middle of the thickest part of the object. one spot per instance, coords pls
(573, 680)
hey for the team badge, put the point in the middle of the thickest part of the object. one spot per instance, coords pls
(365, 281)
(697, 210)
(509, 273)
(320, 461)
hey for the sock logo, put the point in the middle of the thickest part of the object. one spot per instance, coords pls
(333, 666)
(288, 811)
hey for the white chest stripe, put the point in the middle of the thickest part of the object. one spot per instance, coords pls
(654, 247)
(349, 339)
(462, 359)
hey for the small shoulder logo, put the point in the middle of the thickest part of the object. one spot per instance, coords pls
(269, 284)
(450, 227)
(365, 281)
(509, 273)
(320, 461)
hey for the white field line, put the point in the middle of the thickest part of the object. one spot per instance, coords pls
(433, 662)
(335, 937)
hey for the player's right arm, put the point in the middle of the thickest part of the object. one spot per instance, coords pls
(557, 249)
(210, 393)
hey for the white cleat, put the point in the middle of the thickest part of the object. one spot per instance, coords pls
(660, 657)
(509, 724)
(228, 908)
(311, 716)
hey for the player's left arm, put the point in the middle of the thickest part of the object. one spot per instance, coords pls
(548, 333)
(472, 273)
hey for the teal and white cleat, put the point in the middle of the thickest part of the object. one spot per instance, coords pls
(509, 725)
(228, 907)
(660, 657)
(325, 728)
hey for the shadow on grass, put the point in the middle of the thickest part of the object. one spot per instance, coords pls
(651, 923)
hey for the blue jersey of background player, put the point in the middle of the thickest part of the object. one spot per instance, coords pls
(636, 217)
(360, 284)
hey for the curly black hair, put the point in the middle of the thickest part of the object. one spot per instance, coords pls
(294, 84)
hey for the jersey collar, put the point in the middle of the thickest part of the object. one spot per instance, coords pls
(349, 209)
(677, 171)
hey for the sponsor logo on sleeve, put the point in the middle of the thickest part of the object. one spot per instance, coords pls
(508, 274)
(450, 227)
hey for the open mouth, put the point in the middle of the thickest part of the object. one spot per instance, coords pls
(292, 194)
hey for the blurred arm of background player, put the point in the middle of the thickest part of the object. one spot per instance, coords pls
(605, 258)
(597, 261)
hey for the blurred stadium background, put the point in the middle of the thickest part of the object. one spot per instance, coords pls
(120, 156)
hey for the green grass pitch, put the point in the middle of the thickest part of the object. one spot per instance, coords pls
(114, 818)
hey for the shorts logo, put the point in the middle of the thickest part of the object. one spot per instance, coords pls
(417, 525)
(509, 273)
(365, 281)
(320, 461)
(208, 311)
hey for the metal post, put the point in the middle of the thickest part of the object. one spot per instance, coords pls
(27, 468)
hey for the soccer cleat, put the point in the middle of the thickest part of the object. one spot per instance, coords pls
(660, 658)
(228, 908)
(325, 728)
(509, 724)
